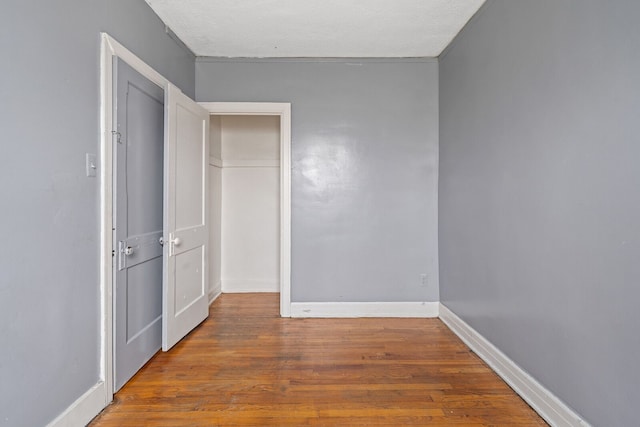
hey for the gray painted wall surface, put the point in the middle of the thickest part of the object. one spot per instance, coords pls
(539, 196)
(364, 179)
(49, 116)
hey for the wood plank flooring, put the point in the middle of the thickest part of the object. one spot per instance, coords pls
(246, 366)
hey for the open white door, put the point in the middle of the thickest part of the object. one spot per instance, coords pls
(184, 302)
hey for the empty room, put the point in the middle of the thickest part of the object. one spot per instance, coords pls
(305, 212)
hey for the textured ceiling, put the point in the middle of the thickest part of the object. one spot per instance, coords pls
(316, 28)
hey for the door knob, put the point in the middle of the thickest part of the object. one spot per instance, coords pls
(174, 242)
(128, 250)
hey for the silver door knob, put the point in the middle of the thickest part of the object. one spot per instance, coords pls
(177, 241)
(128, 250)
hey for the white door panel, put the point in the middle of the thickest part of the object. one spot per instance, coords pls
(185, 302)
(188, 161)
(187, 273)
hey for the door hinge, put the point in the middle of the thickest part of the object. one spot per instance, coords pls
(118, 136)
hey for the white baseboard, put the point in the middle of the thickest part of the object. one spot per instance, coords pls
(232, 286)
(214, 294)
(364, 309)
(84, 409)
(545, 403)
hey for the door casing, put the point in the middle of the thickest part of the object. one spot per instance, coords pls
(282, 110)
(111, 48)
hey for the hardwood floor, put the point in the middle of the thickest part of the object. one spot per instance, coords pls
(246, 366)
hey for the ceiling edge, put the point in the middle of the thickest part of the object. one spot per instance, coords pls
(173, 36)
(385, 59)
(468, 24)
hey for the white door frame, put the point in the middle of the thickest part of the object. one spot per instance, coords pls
(283, 110)
(109, 49)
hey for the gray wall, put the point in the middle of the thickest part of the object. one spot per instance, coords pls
(364, 179)
(49, 116)
(539, 194)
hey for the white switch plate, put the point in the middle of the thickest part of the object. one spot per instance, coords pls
(91, 164)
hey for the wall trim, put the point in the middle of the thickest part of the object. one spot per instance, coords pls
(364, 309)
(247, 163)
(239, 286)
(257, 163)
(84, 409)
(545, 403)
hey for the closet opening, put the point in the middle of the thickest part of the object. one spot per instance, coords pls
(250, 199)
